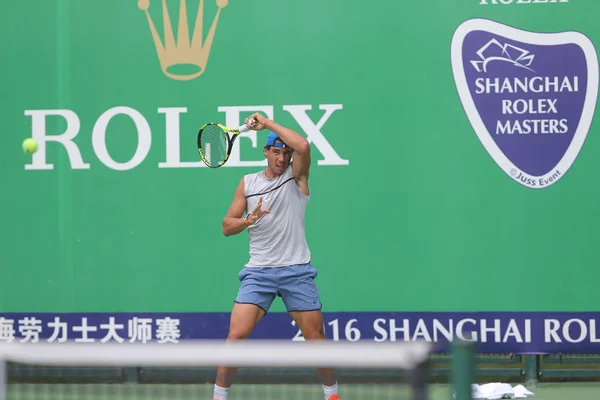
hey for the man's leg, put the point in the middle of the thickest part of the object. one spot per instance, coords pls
(255, 296)
(310, 324)
(301, 298)
(244, 318)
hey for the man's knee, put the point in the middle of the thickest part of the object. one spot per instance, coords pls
(244, 318)
(239, 334)
(314, 332)
(311, 325)
(240, 331)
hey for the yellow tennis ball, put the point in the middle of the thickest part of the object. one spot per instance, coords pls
(30, 146)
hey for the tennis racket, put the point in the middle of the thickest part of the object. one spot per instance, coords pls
(215, 143)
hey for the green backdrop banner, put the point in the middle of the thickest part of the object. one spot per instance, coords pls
(454, 151)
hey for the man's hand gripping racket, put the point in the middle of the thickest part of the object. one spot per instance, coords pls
(215, 144)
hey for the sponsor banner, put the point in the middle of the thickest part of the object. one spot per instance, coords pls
(529, 96)
(173, 122)
(535, 332)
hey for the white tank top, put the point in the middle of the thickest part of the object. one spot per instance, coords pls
(278, 239)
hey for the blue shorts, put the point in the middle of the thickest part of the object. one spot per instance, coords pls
(295, 284)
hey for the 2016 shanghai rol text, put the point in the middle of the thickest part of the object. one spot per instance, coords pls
(574, 330)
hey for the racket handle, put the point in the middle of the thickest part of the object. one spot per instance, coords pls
(245, 128)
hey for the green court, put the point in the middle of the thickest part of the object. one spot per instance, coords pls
(548, 391)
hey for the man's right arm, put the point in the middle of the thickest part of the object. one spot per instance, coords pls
(233, 223)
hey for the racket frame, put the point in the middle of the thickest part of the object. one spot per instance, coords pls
(230, 140)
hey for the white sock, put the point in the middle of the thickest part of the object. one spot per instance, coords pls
(329, 390)
(220, 393)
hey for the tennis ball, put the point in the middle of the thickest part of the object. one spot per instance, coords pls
(30, 146)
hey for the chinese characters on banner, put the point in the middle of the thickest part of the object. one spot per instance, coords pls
(136, 330)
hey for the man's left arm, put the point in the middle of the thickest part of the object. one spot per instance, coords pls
(301, 147)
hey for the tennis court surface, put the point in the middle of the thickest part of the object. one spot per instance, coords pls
(550, 391)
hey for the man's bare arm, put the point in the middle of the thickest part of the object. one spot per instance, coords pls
(301, 147)
(298, 143)
(233, 223)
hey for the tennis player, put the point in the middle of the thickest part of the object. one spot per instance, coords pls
(274, 201)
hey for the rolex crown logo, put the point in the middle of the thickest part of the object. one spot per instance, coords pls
(186, 51)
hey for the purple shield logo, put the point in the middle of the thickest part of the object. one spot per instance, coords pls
(530, 97)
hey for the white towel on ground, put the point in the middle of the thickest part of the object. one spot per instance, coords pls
(497, 390)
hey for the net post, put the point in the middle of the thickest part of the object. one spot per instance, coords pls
(532, 370)
(131, 374)
(419, 378)
(3, 379)
(463, 369)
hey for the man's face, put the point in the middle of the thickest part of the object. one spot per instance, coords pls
(278, 158)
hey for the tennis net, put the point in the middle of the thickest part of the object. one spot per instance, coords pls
(187, 370)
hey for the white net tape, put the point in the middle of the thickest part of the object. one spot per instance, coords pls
(261, 353)
(61, 371)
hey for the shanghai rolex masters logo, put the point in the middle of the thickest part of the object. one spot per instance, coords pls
(530, 97)
(185, 51)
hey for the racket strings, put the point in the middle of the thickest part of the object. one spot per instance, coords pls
(214, 144)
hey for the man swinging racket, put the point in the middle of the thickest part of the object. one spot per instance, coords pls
(275, 201)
